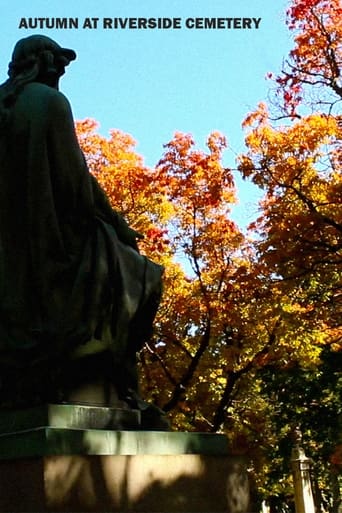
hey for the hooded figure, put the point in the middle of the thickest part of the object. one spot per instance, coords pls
(73, 285)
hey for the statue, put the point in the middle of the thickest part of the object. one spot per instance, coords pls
(77, 299)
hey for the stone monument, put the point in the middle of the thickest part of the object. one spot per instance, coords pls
(77, 302)
(75, 294)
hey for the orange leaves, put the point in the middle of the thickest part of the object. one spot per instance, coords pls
(216, 143)
(91, 143)
(129, 185)
(301, 8)
(258, 117)
(223, 313)
(301, 11)
(336, 457)
(201, 191)
(192, 177)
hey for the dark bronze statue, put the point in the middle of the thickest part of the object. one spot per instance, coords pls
(77, 300)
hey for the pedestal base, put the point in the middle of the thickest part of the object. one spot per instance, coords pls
(52, 469)
(142, 483)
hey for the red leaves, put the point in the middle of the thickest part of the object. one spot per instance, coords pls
(315, 61)
(292, 99)
(156, 239)
(336, 457)
(301, 9)
(193, 178)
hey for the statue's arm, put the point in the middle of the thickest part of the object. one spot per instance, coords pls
(104, 210)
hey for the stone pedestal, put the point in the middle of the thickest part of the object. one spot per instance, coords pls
(58, 468)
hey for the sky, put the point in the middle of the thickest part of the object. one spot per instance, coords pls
(151, 83)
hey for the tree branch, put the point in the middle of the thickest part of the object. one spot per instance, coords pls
(189, 373)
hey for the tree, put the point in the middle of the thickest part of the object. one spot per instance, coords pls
(218, 322)
(305, 396)
(244, 320)
(301, 223)
(312, 71)
(294, 155)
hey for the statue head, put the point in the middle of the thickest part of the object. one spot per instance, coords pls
(35, 59)
(39, 58)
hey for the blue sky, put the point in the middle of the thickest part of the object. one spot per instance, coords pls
(151, 83)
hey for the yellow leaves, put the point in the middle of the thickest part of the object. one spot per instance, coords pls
(218, 377)
(335, 333)
(224, 314)
(315, 131)
(293, 164)
(302, 142)
(291, 161)
(296, 308)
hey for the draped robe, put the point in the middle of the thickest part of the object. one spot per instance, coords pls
(69, 269)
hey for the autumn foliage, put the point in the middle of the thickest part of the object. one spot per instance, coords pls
(248, 317)
(294, 155)
(316, 57)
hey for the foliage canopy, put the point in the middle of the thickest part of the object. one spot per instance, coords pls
(248, 337)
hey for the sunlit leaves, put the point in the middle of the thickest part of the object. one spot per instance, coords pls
(234, 305)
(129, 185)
(298, 166)
(294, 155)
